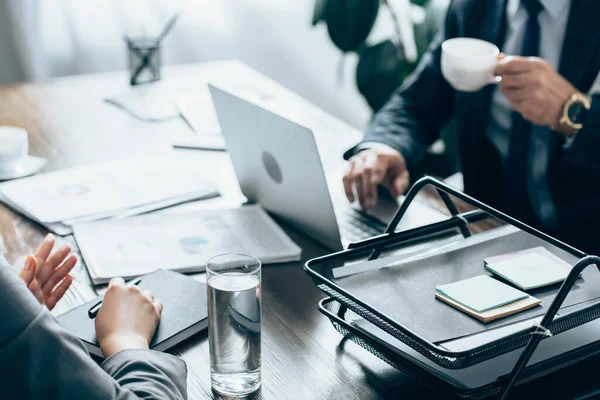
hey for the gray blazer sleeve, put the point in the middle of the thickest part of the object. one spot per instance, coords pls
(40, 360)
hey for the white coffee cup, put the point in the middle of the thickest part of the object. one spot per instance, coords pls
(14, 146)
(468, 64)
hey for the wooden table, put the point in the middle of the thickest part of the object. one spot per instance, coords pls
(70, 124)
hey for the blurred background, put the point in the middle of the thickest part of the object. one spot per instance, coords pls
(287, 40)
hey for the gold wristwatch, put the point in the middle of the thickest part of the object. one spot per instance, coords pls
(573, 114)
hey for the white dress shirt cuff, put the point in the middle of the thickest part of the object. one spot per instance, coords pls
(372, 145)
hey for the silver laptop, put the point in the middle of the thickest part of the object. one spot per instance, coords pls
(278, 166)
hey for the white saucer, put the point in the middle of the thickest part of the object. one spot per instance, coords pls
(26, 166)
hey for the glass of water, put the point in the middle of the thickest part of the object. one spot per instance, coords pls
(234, 318)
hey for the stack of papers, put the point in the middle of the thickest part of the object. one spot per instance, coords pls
(529, 269)
(199, 113)
(182, 242)
(485, 298)
(60, 199)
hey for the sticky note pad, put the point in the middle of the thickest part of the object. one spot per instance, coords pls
(481, 293)
(530, 269)
(496, 313)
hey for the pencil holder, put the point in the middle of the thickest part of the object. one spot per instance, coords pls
(144, 60)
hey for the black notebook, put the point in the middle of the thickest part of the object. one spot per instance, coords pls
(184, 311)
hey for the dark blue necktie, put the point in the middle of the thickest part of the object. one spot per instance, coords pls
(517, 168)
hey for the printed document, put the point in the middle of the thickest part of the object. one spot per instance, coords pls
(180, 241)
(108, 189)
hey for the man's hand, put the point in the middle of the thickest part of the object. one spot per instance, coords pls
(127, 318)
(534, 89)
(47, 275)
(371, 168)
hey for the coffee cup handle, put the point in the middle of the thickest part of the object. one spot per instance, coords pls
(496, 79)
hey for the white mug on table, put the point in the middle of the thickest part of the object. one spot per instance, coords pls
(468, 64)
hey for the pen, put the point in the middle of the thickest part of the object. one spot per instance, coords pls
(168, 27)
(93, 311)
(196, 147)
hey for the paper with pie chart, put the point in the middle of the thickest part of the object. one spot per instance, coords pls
(180, 241)
(131, 186)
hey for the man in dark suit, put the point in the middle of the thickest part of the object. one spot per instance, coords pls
(529, 146)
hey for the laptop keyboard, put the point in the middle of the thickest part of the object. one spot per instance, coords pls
(356, 225)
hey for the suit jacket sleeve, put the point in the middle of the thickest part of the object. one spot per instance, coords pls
(39, 359)
(583, 149)
(416, 113)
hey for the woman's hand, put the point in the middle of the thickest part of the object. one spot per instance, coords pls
(47, 275)
(127, 319)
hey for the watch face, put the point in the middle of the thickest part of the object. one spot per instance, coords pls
(576, 112)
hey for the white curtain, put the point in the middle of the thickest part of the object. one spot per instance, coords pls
(21, 57)
(42, 39)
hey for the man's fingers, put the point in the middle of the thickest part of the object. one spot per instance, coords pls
(369, 191)
(366, 188)
(358, 178)
(28, 272)
(514, 65)
(59, 273)
(58, 292)
(400, 184)
(518, 81)
(379, 170)
(368, 170)
(45, 248)
(118, 281)
(349, 181)
(372, 177)
(358, 184)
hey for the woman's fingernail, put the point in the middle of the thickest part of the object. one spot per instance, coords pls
(28, 263)
(49, 237)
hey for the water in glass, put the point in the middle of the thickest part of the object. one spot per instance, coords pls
(234, 314)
